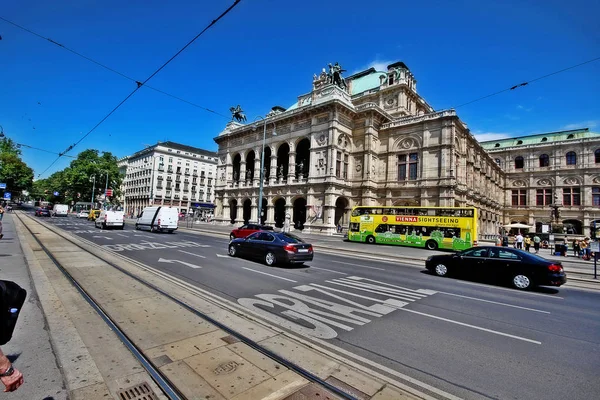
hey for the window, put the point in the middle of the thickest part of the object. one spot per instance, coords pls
(571, 136)
(519, 197)
(519, 142)
(571, 197)
(519, 162)
(170, 160)
(341, 165)
(498, 161)
(597, 156)
(596, 196)
(497, 145)
(571, 158)
(408, 163)
(544, 139)
(475, 253)
(543, 197)
(544, 160)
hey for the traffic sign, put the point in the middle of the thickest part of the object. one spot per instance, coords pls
(7, 195)
(108, 193)
(2, 185)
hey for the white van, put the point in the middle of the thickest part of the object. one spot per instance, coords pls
(158, 219)
(112, 219)
(60, 210)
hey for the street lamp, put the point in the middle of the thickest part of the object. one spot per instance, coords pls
(93, 190)
(262, 167)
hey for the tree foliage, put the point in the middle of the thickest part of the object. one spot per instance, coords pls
(75, 182)
(13, 171)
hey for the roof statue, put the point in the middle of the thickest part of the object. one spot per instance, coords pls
(237, 114)
(333, 77)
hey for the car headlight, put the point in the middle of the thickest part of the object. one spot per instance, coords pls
(429, 258)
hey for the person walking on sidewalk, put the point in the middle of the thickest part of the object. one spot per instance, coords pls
(536, 243)
(576, 248)
(527, 243)
(519, 241)
(11, 377)
(1, 216)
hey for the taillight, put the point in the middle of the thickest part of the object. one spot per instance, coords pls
(555, 268)
(310, 250)
(290, 248)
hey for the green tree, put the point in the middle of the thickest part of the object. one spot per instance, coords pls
(13, 171)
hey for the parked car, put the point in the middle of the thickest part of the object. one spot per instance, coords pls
(60, 210)
(158, 219)
(110, 219)
(83, 214)
(248, 229)
(272, 248)
(42, 212)
(522, 269)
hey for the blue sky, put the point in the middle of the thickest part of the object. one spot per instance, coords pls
(264, 53)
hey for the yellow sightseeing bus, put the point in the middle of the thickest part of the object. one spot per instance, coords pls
(429, 227)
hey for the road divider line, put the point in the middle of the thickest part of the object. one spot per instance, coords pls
(472, 326)
(222, 256)
(408, 292)
(388, 302)
(192, 254)
(371, 291)
(274, 276)
(330, 270)
(356, 265)
(495, 302)
(418, 292)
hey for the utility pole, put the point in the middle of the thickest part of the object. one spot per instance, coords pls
(93, 190)
(105, 190)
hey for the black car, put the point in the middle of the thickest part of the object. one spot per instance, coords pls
(272, 248)
(42, 212)
(522, 269)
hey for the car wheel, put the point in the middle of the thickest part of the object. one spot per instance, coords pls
(370, 239)
(231, 237)
(441, 270)
(521, 282)
(103, 225)
(431, 245)
(232, 250)
(137, 227)
(270, 259)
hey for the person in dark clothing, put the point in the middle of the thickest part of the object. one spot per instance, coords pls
(505, 241)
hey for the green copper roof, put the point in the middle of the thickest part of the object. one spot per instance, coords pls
(366, 82)
(540, 138)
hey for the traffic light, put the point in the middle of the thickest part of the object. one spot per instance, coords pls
(593, 230)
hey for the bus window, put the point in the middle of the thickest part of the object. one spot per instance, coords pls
(423, 211)
(381, 228)
(354, 227)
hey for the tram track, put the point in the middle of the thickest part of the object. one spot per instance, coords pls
(162, 381)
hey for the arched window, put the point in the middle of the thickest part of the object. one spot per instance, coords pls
(544, 160)
(497, 145)
(519, 142)
(571, 158)
(519, 162)
(498, 161)
(571, 136)
(544, 139)
(597, 156)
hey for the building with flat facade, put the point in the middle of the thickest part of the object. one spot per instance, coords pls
(369, 139)
(169, 174)
(548, 171)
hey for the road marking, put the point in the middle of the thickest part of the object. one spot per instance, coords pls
(138, 235)
(120, 234)
(192, 254)
(496, 302)
(264, 273)
(221, 255)
(356, 265)
(419, 291)
(330, 270)
(472, 326)
(403, 298)
(163, 260)
(105, 237)
(401, 291)
(389, 302)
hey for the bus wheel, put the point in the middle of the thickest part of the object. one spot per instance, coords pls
(431, 245)
(370, 239)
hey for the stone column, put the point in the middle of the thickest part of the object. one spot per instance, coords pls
(226, 212)
(254, 211)
(243, 173)
(239, 218)
(273, 173)
(270, 214)
(289, 209)
(256, 177)
(291, 176)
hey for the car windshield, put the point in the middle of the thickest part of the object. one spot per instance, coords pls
(266, 228)
(289, 238)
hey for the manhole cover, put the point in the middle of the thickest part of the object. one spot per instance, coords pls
(138, 392)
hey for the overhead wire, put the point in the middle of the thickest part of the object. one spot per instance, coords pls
(526, 82)
(44, 150)
(109, 68)
(140, 84)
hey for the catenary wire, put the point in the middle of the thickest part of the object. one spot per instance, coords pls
(140, 84)
(109, 68)
(526, 82)
(44, 150)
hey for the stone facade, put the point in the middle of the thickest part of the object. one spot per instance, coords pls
(551, 169)
(169, 174)
(372, 141)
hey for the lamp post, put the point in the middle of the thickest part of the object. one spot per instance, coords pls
(93, 190)
(262, 167)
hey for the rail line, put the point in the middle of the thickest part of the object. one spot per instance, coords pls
(160, 379)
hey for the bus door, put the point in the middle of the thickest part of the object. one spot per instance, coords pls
(366, 226)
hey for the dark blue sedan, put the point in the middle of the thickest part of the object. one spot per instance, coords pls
(272, 248)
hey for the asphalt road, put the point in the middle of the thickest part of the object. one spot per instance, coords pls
(469, 339)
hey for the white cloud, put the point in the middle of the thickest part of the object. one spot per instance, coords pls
(378, 64)
(487, 136)
(584, 124)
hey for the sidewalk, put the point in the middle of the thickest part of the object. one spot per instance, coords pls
(30, 349)
(201, 359)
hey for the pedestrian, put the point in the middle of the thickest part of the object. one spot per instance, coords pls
(505, 240)
(536, 243)
(519, 241)
(11, 377)
(585, 246)
(1, 216)
(576, 248)
(527, 243)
